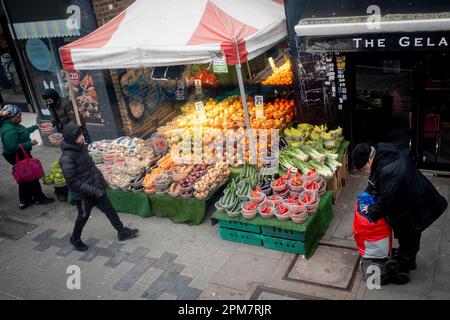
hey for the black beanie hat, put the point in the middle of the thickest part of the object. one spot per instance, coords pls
(360, 155)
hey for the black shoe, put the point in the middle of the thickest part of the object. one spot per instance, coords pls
(24, 205)
(78, 244)
(127, 233)
(45, 201)
(400, 278)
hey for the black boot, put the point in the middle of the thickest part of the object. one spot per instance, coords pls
(405, 264)
(400, 278)
(78, 244)
(24, 205)
(127, 233)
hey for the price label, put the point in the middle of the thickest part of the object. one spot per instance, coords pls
(219, 62)
(259, 107)
(199, 106)
(201, 111)
(198, 86)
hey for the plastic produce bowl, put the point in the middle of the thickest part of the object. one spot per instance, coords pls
(297, 209)
(282, 195)
(295, 188)
(261, 198)
(299, 218)
(233, 214)
(313, 177)
(228, 206)
(274, 197)
(249, 213)
(311, 193)
(271, 205)
(312, 208)
(278, 188)
(283, 217)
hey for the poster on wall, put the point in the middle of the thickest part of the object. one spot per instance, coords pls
(83, 88)
(141, 94)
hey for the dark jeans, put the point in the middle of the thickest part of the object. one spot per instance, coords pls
(30, 191)
(84, 211)
(409, 245)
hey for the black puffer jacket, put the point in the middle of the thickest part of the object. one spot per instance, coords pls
(82, 176)
(404, 195)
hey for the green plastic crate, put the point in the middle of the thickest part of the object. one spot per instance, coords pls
(241, 236)
(284, 245)
(281, 233)
(239, 226)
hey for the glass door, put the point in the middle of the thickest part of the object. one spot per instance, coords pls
(434, 113)
(384, 104)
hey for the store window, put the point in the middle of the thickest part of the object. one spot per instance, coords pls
(11, 89)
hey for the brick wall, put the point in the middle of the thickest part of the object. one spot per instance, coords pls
(151, 122)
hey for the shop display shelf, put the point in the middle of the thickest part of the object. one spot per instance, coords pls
(281, 233)
(286, 245)
(241, 236)
(236, 225)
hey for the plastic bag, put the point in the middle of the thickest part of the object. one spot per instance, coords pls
(373, 239)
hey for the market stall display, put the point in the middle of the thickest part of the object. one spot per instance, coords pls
(281, 76)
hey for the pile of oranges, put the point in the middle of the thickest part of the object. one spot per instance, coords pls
(281, 76)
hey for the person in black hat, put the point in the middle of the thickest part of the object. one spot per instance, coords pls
(88, 186)
(404, 196)
(62, 111)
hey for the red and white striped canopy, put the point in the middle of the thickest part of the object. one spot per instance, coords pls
(174, 32)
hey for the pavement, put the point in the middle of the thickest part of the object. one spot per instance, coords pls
(179, 261)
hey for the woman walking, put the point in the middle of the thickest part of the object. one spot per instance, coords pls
(13, 134)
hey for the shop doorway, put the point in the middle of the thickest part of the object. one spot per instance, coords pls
(12, 89)
(434, 113)
(384, 108)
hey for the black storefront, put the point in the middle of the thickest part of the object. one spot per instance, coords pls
(33, 32)
(382, 71)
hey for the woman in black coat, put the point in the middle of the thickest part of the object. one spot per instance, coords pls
(404, 196)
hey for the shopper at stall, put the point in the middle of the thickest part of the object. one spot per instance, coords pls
(62, 111)
(403, 195)
(87, 185)
(13, 134)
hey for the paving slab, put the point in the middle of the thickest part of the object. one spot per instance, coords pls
(242, 269)
(330, 266)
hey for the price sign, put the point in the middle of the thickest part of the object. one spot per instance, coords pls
(219, 62)
(198, 86)
(259, 107)
(201, 111)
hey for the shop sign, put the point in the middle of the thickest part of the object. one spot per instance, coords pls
(259, 107)
(382, 42)
(38, 54)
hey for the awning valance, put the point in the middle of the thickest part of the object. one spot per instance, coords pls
(44, 29)
(392, 23)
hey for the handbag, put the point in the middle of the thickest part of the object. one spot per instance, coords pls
(28, 169)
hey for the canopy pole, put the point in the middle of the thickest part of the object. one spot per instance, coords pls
(72, 98)
(247, 117)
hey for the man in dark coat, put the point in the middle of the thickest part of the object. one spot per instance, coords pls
(87, 186)
(62, 111)
(404, 196)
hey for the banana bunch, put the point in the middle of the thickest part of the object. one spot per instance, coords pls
(326, 136)
(321, 128)
(315, 135)
(305, 127)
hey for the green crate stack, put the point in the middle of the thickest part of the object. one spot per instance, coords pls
(239, 226)
(282, 233)
(279, 244)
(241, 236)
